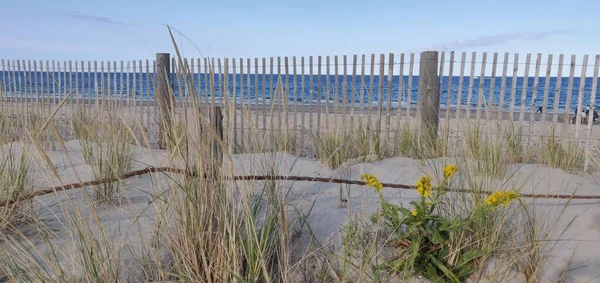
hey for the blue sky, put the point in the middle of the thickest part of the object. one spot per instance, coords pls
(128, 30)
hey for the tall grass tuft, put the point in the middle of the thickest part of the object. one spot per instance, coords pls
(569, 157)
(483, 152)
(410, 143)
(14, 179)
(333, 148)
(111, 157)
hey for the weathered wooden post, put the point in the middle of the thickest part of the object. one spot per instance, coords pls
(429, 93)
(163, 94)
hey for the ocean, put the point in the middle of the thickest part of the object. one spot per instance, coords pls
(305, 89)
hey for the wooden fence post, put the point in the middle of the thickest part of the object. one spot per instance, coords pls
(429, 93)
(163, 93)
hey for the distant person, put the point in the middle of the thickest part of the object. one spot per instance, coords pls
(539, 110)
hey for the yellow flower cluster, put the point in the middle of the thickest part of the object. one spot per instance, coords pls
(423, 186)
(414, 212)
(372, 182)
(450, 170)
(498, 198)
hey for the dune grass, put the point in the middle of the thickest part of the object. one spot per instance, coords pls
(206, 228)
(15, 179)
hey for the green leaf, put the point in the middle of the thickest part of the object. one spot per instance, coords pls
(468, 256)
(397, 264)
(375, 272)
(432, 275)
(436, 238)
(415, 246)
(443, 268)
(464, 272)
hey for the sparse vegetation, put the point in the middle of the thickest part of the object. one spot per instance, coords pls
(201, 226)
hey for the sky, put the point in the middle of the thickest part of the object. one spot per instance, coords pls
(132, 29)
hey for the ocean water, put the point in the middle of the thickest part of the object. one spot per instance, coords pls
(305, 89)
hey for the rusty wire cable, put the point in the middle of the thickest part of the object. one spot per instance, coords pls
(148, 170)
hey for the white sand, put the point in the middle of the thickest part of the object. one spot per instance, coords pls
(131, 224)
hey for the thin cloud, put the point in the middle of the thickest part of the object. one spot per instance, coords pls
(494, 40)
(96, 19)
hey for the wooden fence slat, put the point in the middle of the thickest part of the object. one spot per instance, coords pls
(149, 98)
(77, 97)
(30, 91)
(37, 86)
(233, 102)
(302, 94)
(272, 93)
(546, 88)
(557, 88)
(57, 84)
(400, 89)
(124, 86)
(107, 89)
(410, 86)
(586, 165)
(380, 87)
(177, 83)
(449, 89)
(580, 95)
(131, 93)
(20, 86)
(513, 88)
(569, 94)
(3, 88)
(220, 92)
(256, 94)
(536, 81)
(319, 109)
(13, 89)
(463, 63)
(329, 92)
(264, 95)
(114, 96)
(481, 91)
(140, 87)
(208, 74)
(371, 88)
(500, 111)
(353, 93)
(277, 98)
(286, 95)
(310, 93)
(491, 99)
(248, 89)
(442, 60)
(344, 89)
(389, 93)
(362, 84)
(524, 89)
(71, 83)
(471, 82)
(10, 87)
(242, 105)
(295, 95)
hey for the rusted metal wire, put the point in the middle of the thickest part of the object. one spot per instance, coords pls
(149, 170)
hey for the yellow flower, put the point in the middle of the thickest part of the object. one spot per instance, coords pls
(414, 212)
(504, 198)
(423, 186)
(372, 182)
(450, 170)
